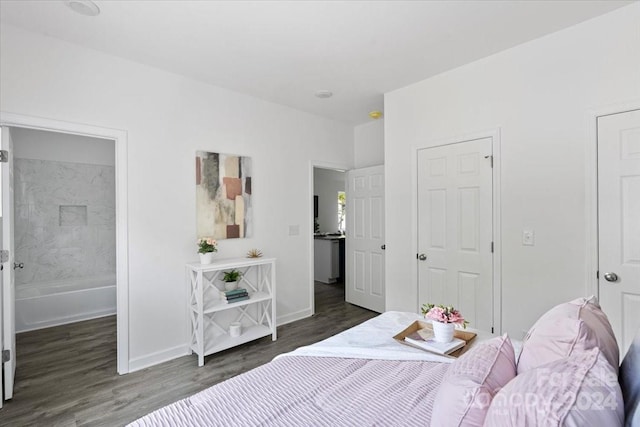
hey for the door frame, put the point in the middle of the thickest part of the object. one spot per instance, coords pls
(591, 189)
(309, 229)
(122, 228)
(494, 134)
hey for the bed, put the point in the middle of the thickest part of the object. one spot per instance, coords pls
(362, 377)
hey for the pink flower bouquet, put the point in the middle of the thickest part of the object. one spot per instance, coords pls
(443, 314)
(206, 245)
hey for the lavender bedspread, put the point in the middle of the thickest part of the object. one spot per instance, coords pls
(313, 391)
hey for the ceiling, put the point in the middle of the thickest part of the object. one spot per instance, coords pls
(284, 51)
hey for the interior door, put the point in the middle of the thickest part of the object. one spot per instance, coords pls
(619, 223)
(455, 229)
(365, 238)
(8, 286)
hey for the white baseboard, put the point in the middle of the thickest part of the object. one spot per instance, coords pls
(159, 357)
(292, 317)
(183, 350)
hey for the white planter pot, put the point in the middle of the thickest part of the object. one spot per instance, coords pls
(206, 258)
(229, 286)
(443, 332)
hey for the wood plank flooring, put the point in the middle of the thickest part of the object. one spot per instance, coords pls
(66, 375)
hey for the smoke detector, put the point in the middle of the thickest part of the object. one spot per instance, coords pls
(83, 7)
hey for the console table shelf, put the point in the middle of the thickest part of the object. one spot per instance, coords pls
(210, 315)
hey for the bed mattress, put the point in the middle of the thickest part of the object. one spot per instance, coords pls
(313, 391)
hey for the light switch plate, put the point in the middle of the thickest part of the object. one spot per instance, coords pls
(528, 237)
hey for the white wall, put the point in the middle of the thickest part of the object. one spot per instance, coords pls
(539, 95)
(61, 147)
(167, 119)
(368, 144)
(326, 185)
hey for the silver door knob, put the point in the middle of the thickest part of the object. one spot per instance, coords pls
(383, 247)
(422, 257)
(611, 277)
(16, 265)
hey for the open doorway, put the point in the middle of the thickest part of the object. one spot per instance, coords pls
(329, 237)
(64, 228)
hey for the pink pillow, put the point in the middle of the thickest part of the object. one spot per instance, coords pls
(576, 325)
(471, 382)
(581, 390)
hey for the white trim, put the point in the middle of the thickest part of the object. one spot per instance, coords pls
(293, 317)
(494, 134)
(591, 189)
(159, 357)
(122, 226)
(310, 231)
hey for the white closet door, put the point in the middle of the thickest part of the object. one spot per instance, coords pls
(619, 223)
(455, 223)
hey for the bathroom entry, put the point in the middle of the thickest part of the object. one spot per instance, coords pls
(329, 236)
(64, 228)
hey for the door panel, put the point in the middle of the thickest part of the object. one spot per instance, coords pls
(365, 237)
(455, 223)
(8, 285)
(619, 222)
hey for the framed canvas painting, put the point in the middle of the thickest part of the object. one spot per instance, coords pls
(223, 195)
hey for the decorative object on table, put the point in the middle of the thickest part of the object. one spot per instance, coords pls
(444, 318)
(254, 253)
(230, 279)
(234, 295)
(207, 246)
(235, 329)
(223, 195)
(423, 333)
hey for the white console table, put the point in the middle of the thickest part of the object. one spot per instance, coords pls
(210, 315)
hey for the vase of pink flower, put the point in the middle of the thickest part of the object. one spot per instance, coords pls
(443, 320)
(206, 248)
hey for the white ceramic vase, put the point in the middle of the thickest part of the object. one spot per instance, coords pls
(206, 258)
(443, 332)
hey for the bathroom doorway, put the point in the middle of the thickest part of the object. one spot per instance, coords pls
(64, 228)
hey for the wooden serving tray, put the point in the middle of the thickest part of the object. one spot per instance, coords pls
(417, 325)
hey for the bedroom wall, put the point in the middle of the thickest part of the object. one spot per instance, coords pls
(168, 118)
(539, 95)
(368, 144)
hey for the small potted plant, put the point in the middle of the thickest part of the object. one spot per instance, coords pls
(206, 248)
(443, 319)
(230, 279)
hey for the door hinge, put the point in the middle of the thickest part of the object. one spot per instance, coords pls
(491, 247)
(490, 157)
(6, 356)
(598, 274)
(4, 255)
(4, 156)
(492, 329)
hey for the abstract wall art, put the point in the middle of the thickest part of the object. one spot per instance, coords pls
(223, 196)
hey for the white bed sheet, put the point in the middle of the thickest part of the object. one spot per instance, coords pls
(373, 339)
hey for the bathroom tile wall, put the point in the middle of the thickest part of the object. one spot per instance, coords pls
(64, 220)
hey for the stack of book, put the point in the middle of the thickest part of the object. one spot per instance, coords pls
(234, 295)
(423, 338)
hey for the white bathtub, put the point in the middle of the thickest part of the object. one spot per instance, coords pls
(46, 304)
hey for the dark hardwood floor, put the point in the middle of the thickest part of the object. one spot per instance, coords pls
(66, 376)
